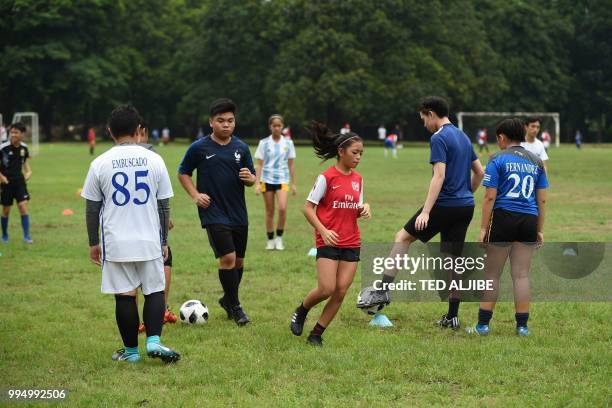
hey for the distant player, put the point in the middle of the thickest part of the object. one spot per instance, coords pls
(531, 142)
(275, 171)
(391, 144)
(3, 133)
(512, 220)
(169, 316)
(483, 140)
(382, 132)
(165, 137)
(546, 139)
(15, 171)
(449, 206)
(345, 129)
(578, 139)
(128, 192)
(224, 166)
(332, 208)
(287, 132)
(91, 140)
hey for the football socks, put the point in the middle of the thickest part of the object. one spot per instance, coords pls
(153, 313)
(126, 313)
(4, 221)
(453, 308)
(25, 224)
(521, 319)
(484, 317)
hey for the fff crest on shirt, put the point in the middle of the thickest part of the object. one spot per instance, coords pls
(237, 156)
(355, 185)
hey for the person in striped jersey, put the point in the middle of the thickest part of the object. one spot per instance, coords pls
(275, 172)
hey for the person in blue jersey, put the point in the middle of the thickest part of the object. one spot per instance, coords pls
(512, 224)
(449, 206)
(275, 170)
(224, 167)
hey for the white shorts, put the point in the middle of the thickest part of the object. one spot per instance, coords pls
(122, 277)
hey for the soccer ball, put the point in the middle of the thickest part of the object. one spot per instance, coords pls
(372, 310)
(194, 312)
(371, 301)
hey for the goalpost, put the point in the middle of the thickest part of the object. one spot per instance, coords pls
(553, 115)
(30, 120)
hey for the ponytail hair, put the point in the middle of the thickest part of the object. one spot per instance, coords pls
(326, 143)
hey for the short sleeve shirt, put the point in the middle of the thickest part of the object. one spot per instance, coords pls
(517, 174)
(537, 148)
(451, 146)
(12, 159)
(275, 156)
(338, 198)
(218, 167)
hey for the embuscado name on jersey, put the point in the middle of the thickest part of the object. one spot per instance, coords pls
(129, 162)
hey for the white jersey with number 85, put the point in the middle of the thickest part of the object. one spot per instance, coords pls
(129, 179)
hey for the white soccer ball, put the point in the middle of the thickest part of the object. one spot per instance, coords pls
(193, 312)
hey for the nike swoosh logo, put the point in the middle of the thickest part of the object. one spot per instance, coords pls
(335, 187)
(208, 157)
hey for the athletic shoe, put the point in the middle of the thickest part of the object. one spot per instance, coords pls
(270, 245)
(315, 340)
(169, 317)
(226, 307)
(28, 240)
(452, 323)
(141, 328)
(297, 323)
(522, 331)
(166, 354)
(479, 329)
(278, 243)
(121, 355)
(240, 317)
(5, 239)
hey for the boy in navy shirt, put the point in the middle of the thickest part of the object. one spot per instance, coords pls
(449, 206)
(512, 220)
(224, 166)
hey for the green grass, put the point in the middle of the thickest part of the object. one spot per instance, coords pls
(58, 331)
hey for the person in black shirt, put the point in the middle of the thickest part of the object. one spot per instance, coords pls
(14, 172)
(225, 166)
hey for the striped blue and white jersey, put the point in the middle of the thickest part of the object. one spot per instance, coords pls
(275, 156)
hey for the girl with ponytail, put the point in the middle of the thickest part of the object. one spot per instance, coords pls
(332, 208)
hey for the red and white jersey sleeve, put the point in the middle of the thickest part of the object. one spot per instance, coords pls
(338, 198)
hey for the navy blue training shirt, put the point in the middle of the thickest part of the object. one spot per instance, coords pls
(218, 169)
(451, 146)
(516, 174)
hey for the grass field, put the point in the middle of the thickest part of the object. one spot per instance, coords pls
(58, 331)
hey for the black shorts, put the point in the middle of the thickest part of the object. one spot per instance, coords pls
(225, 239)
(506, 227)
(15, 190)
(168, 262)
(450, 222)
(274, 187)
(339, 254)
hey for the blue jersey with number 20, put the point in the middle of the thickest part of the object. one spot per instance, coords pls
(516, 174)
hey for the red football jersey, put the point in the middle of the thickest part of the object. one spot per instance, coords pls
(338, 197)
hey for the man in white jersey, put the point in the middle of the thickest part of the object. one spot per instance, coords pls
(532, 143)
(128, 191)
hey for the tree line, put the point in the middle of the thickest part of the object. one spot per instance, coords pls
(359, 61)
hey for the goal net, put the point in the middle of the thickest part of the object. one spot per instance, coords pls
(472, 122)
(30, 120)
